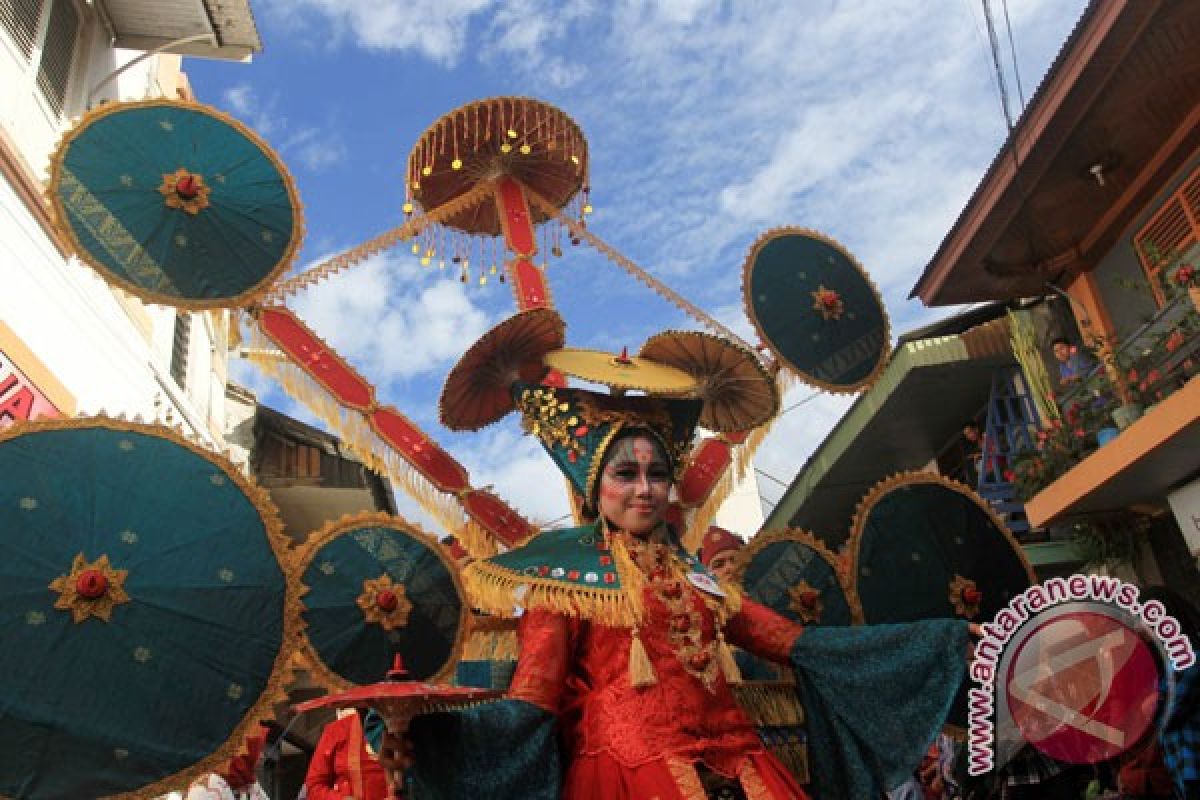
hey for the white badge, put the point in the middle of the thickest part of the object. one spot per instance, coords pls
(705, 583)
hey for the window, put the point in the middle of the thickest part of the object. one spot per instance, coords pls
(46, 34)
(179, 348)
(1173, 232)
(21, 20)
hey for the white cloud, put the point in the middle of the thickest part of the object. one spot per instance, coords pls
(317, 148)
(708, 122)
(390, 320)
(434, 29)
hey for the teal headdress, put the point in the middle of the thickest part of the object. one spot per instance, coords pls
(577, 426)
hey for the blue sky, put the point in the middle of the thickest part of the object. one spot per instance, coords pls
(708, 123)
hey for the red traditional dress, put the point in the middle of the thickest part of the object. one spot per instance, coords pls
(682, 729)
(342, 766)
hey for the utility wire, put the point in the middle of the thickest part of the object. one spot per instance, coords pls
(1012, 49)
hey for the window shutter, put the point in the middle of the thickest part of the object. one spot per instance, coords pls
(179, 348)
(1173, 230)
(20, 21)
(58, 54)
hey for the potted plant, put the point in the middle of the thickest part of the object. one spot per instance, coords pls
(1185, 277)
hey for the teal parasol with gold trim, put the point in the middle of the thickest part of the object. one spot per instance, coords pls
(175, 203)
(795, 574)
(377, 587)
(816, 309)
(148, 613)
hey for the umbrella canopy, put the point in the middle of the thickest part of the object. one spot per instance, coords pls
(924, 547)
(794, 573)
(738, 392)
(148, 620)
(478, 390)
(816, 309)
(378, 587)
(621, 372)
(175, 203)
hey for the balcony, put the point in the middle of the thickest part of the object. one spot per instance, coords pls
(1154, 372)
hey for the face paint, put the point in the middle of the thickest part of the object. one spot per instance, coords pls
(635, 484)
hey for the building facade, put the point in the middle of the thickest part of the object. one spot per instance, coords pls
(69, 344)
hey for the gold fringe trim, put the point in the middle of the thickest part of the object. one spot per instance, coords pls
(384, 241)
(752, 782)
(633, 581)
(726, 662)
(499, 591)
(491, 639)
(770, 703)
(641, 670)
(687, 780)
(477, 541)
(581, 232)
(355, 432)
(274, 692)
(741, 460)
(62, 221)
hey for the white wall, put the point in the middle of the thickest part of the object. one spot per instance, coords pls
(110, 351)
(742, 511)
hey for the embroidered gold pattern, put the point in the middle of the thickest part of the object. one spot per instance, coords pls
(828, 303)
(965, 596)
(806, 602)
(550, 419)
(385, 603)
(90, 589)
(185, 190)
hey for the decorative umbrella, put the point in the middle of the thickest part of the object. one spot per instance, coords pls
(739, 394)
(175, 203)
(621, 372)
(519, 137)
(148, 620)
(924, 547)
(815, 308)
(398, 700)
(796, 575)
(378, 586)
(478, 391)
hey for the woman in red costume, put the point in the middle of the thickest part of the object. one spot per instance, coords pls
(345, 765)
(622, 688)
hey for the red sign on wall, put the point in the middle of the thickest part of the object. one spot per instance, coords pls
(20, 399)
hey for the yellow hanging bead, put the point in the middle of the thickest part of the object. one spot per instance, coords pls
(425, 261)
(426, 170)
(506, 148)
(442, 264)
(456, 164)
(416, 185)
(408, 208)
(526, 149)
(587, 209)
(483, 280)
(512, 134)
(416, 249)
(493, 269)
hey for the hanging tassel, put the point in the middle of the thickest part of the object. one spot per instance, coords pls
(726, 661)
(641, 671)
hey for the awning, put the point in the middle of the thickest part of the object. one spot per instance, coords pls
(153, 24)
(930, 386)
(1150, 458)
(1072, 176)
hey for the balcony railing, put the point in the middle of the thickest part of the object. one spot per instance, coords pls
(1149, 366)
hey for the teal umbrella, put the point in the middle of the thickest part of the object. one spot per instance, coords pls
(794, 573)
(815, 309)
(377, 587)
(148, 623)
(176, 203)
(925, 547)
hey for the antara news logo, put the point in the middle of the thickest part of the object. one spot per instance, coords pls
(1077, 667)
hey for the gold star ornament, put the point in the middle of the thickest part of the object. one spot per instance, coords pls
(90, 589)
(385, 603)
